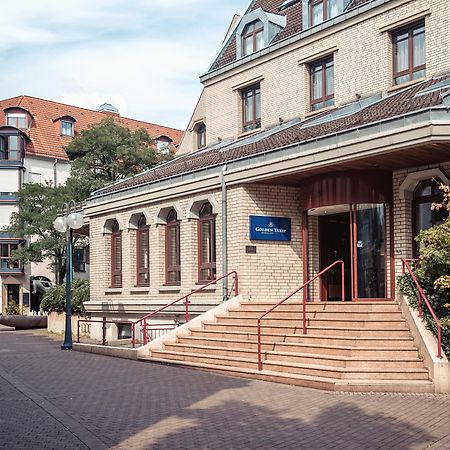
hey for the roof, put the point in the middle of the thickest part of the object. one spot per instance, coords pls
(294, 26)
(45, 138)
(355, 115)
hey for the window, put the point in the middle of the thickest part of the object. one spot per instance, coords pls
(17, 120)
(252, 38)
(35, 178)
(206, 244)
(425, 194)
(409, 53)
(116, 256)
(5, 257)
(66, 128)
(10, 148)
(251, 108)
(142, 253)
(163, 145)
(201, 136)
(80, 259)
(322, 84)
(173, 259)
(321, 10)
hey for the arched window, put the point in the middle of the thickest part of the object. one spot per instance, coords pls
(201, 136)
(423, 217)
(252, 38)
(116, 256)
(173, 258)
(142, 253)
(206, 244)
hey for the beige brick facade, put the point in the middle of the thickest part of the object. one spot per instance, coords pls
(363, 65)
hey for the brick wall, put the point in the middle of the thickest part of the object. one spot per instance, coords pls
(363, 65)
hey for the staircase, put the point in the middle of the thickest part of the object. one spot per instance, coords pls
(351, 346)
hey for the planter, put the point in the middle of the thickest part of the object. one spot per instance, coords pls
(24, 322)
(57, 322)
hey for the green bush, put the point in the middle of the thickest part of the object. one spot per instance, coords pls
(432, 275)
(55, 299)
(13, 309)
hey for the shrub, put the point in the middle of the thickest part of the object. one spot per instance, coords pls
(13, 309)
(54, 299)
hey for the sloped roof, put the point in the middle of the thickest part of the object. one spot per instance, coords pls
(45, 138)
(296, 132)
(294, 26)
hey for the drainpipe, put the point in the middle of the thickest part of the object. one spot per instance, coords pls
(224, 234)
(55, 173)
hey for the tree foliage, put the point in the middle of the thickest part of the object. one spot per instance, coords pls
(54, 299)
(433, 273)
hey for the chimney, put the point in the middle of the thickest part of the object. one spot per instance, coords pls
(108, 108)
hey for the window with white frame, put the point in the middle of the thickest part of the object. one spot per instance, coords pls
(66, 128)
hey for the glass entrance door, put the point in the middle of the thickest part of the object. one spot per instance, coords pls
(355, 234)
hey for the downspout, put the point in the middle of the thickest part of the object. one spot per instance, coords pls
(55, 173)
(224, 234)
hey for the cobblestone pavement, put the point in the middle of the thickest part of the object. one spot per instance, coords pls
(69, 400)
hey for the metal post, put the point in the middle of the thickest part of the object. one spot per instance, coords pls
(343, 281)
(78, 331)
(236, 286)
(186, 302)
(67, 345)
(104, 331)
(133, 335)
(144, 336)
(419, 303)
(259, 345)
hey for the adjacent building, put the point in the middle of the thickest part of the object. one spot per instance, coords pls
(33, 135)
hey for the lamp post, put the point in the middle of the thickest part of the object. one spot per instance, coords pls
(70, 220)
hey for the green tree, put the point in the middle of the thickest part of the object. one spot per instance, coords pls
(108, 152)
(38, 207)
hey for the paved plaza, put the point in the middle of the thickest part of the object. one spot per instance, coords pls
(70, 400)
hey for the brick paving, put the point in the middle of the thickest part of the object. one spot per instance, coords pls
(69, 400)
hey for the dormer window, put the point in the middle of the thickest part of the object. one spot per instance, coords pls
(256, 30)
(66, 128)
(318, 11)
(163, 145)
(17, 120)
(252, 38)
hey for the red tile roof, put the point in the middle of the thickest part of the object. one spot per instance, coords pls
(294, 25)
(391, 106)
(45, 138)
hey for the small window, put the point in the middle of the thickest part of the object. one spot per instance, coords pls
(80, 259)
(116, 256)
(201, 136)
(252, 38)
(35, 178)
(173, 257)
(322, 84)
(6, 262)
(17, 120)
(321, 10)
(251, 108)
(425, 194)
(409, 53)
(66, 128)
(206, 244)
(142, 252)
(163, 145)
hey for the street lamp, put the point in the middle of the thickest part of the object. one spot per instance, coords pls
(70, 220)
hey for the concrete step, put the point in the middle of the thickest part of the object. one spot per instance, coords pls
(329, 330)
(317, 370)
(305, 380)
(353, 341)
(374, 361)
(322, 306)
(321, 349)
(322, 321)
(287, 313)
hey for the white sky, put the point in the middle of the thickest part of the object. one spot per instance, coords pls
(143, 56)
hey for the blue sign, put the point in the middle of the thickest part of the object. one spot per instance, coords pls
(265, 228)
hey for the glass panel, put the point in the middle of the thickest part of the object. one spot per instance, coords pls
(419, 50)
(248, 45)
(402, 60)
(370, 250)
(260, 40)
(257, 104)
(418, 74)
(317, 82)
(3, 154)
(329, 78)
(402, 79)
(332, 8)
(248, 107)
(317, 14)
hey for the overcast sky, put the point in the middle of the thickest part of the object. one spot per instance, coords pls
(143, 56)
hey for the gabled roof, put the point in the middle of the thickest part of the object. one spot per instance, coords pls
(294, 25)
(363, 113)
(45, 136)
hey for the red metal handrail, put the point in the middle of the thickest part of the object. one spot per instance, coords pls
(143, 320)
(304, 303)
(103, 322)
(421, 296)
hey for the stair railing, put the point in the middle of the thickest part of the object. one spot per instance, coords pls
(421, 297)
(303, 286)
(143, 321)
